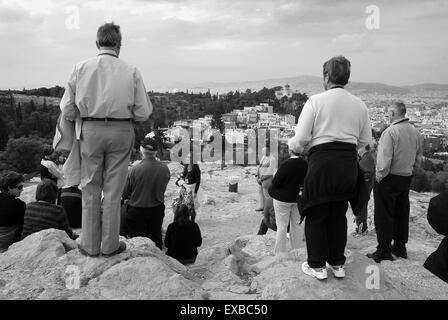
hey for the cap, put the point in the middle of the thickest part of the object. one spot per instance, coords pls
(149, 143)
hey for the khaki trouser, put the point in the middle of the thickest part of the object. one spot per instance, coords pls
(105, 153)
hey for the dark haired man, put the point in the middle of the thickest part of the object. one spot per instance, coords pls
(109, 95)
(399, 152)
(332, 125)
(44, 214)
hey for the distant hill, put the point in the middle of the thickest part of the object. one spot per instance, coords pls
(427, 87)
(312, 85)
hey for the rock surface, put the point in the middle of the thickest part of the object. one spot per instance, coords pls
(233, 263)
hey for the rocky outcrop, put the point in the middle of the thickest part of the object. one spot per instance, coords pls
(231, 264)
(48, 265)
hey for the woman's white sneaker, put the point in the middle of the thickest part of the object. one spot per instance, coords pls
(338, 271)
(320, 274)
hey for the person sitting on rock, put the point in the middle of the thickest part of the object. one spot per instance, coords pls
(48, 166)
(12, 209)
(183, 237)
(437, 262)
(44, 213)
(71, 201)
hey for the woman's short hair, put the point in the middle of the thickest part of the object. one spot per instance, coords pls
(338, 70)
(10, 179)
(109, 35)
(47, 191)
(181, 214)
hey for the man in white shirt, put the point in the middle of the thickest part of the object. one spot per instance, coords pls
(399, 152)
(108, 95)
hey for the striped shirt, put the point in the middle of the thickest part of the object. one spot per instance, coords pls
(43, 215)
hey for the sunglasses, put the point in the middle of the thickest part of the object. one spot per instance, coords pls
(19, 187)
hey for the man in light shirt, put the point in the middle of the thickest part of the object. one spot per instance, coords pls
(399, 152)
(109, 95)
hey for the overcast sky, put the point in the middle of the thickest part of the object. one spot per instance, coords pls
(227, 40)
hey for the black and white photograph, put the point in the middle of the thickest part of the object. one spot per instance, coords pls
(223, 155)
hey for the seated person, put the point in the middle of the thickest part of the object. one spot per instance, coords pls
(71, 201)
(44, 214)
(48, 167)
(437, 262)
(12, 209)
(183, 236)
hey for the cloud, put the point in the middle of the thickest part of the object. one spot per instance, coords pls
(222, 44)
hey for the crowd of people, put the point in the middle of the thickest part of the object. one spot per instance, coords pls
(333, 162)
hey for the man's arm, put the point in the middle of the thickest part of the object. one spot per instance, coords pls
(67, 104)
(142, 108)
(365, 136)
(127, 191)
(384, 157)
(419, 154)
(303, 129)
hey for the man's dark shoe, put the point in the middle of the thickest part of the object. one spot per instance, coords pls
(121, 248)
(378, 257)
(85, 253)
(400, 252)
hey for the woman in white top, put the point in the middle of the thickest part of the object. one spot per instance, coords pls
(332, 126)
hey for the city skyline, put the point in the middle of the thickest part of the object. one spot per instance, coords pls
(195, 41)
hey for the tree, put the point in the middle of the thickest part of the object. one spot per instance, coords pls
(19, 118)
(24, 154)
(4, 135)
(162, 143)
(30, 107)
(217, 122)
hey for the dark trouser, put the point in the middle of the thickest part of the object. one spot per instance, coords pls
(361, 216)
(187, 261)
(392, 212)
(326, 234)
(146, 222)
(263, 228)
(72, 204)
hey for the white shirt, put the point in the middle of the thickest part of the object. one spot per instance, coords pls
(332, 116)
(106, 87)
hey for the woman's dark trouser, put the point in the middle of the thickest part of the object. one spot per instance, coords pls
(361, 217)
(326, 234)
(188, 261)
(146, 222)
(391, 197)
(73, 207)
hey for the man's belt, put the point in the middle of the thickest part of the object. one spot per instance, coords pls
(107, 119)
